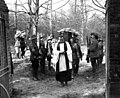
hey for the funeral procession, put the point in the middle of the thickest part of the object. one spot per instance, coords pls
(59, 49)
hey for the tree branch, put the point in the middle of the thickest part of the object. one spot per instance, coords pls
(47, 9)
(43, 4)
(22, 5)
(57, 8)
(18, 11)
(96, 9)
(55, 11)
(58, 1)
(29, 5)
(63, 5)
(97, 5)
(34, 2)
(100, 4)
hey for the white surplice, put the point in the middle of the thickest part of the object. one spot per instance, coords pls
(62, 61)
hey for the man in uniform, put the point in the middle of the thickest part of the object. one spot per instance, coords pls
(93, 52)
(34, 56)
(43, 54)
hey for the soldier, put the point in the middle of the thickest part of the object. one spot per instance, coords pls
(93, 52)
(49, 51)
(100, 51)
(43, 54)
(80, 54)
(76, 55)
(34, 56)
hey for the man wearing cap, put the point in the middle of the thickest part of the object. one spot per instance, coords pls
(43, 54)
(49, 51)
(93, 52)
(79, 54)
(34, 56)
(62, 60)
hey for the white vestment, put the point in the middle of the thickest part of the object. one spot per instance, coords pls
(62, 61)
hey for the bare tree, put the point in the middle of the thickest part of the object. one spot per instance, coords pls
(100, 7)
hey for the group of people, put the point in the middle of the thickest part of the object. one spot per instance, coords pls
(67, 55)
(64, 56)
(95, 52)
(20, 44)
(40, 54)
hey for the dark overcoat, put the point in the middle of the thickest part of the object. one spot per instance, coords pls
(34, 51)
(93, 48)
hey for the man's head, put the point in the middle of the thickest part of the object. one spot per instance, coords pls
(100, 40)
(49, 39)
(94, 35)
(33, 38)
(71, 40)
(61, 36)
(41, 38)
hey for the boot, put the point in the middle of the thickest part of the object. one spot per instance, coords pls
(62, 83)
(37, 78)
(65, 82)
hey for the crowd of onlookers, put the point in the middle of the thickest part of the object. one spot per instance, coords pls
(64, 56)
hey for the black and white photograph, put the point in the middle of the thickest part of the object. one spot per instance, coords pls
(59, 49)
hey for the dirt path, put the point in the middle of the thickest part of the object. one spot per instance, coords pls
(82, 86)
(48, 87)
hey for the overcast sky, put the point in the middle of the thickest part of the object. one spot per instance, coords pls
(56, 4)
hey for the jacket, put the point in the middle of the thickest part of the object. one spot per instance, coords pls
(93, 48)
(34, 51)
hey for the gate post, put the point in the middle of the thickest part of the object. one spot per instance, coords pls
(107, 93)
(4, 68)
(113, 48)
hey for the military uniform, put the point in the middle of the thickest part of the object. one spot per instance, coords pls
(49, 50)
(93, 53)
(34, 57)
(42, 52)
